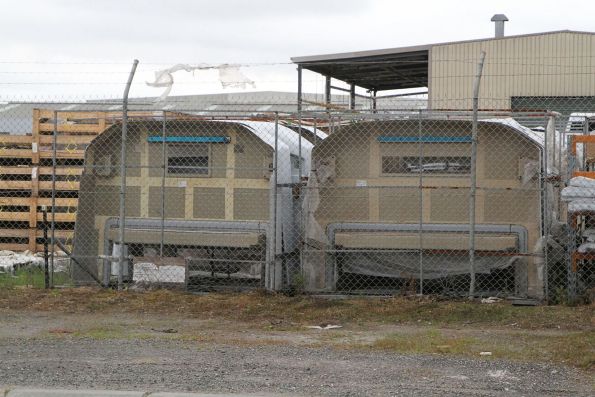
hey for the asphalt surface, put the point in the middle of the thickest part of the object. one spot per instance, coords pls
(175, 365)
(33, 392)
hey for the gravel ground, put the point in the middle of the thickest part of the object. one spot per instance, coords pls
(174, 365)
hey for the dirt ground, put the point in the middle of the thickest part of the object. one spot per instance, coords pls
(257, 343)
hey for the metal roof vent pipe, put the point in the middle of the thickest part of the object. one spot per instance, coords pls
(499, 20)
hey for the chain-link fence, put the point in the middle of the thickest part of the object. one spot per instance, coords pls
(355, 195)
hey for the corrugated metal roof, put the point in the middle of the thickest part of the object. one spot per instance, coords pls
(389, 68)
(17, 118)
(416, 48)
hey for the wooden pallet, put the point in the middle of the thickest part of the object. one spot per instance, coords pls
(26, 186)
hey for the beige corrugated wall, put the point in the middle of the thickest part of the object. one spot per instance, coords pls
(555, 64)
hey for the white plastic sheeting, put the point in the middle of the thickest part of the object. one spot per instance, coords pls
(146, 272)
(583, 182)
(579, 188)
(580, 205)
(580, 194)
(230, 76)
(571, 193)
(586, 247)
(589, 234)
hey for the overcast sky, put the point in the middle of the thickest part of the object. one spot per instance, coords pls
(76, 34)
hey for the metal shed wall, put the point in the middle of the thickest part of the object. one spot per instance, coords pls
(556, 64)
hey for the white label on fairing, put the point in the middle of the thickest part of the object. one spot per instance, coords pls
(34, 147)
(361, 183)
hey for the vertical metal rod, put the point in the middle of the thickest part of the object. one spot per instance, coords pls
(421, 204)
(299, 89)
(299, 111)
(352, 97)
(327, 91)
(275, 194)
(163, 174)
(121, 236)
(45, 248)
(473, 189)
(546, 220)
(374, 104)
(54, 164)
(299, 115)
(560, 147)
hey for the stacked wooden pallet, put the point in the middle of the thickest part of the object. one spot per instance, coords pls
(26, 173)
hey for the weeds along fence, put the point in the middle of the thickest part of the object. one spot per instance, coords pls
(317, 195)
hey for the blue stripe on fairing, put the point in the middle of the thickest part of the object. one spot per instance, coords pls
(190, 139)
(424, 139)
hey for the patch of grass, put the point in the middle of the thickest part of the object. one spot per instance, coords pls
(430, 341)
(265, 308)
(101, 333)
(114, 332)
(30, 277)
(575, 348)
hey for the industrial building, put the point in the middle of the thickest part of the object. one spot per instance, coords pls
(538, 71)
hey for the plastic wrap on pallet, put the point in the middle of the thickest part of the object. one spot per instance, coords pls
(572, 193)
(586, 247)
(581, 205)
(582, 181)
(589, 234)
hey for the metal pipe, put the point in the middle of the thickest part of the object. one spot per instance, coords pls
(402, 95)
(546, 220)
(275, 195)
(45, 248)
(164, 161)
(352, 97)
(334, 87)
(299, 89)
(327, 90)
(374, 102)
(499, 20)
(72, 258)
(123, 174)
(421, 204)
(473, 190)
(54, 164)
(183, 226)
(519, 230)
(299, 115)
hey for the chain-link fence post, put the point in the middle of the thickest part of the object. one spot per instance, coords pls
(53, 225)
(163, 177)
(122, 254)
(546, 212)
(421, 203)
(275, 220)
(473, 190)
